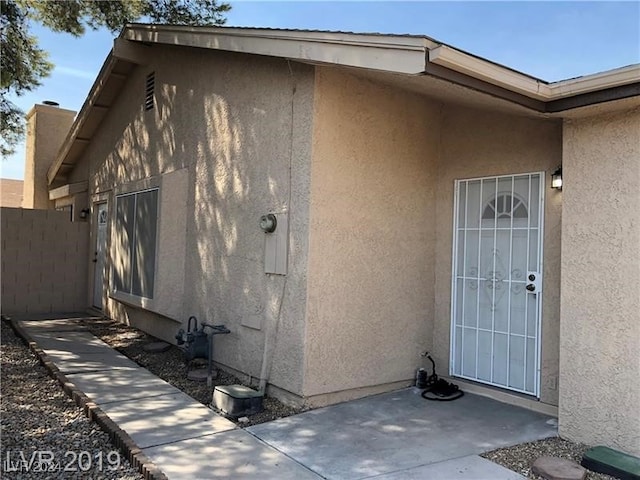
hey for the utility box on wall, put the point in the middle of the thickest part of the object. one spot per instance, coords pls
(276, 245)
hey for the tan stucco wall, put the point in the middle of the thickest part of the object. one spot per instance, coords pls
(384, 166)
(373, 207)
(47, 127)
(371, 271)
(44, 262)
(478, 143)
(600, 334)
(223, 144)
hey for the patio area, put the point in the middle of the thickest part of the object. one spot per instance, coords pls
(402, 432)
(387, 436)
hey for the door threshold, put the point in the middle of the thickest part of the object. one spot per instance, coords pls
(501, 395)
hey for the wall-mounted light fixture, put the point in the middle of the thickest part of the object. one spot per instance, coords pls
(84, 213)
(268, 223)
(556, 179)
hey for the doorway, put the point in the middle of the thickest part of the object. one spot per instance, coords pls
(102, 215)
(497, 281)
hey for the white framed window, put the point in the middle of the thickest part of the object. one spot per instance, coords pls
(135, 233)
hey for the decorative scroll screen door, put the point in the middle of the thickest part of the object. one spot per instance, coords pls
(497, 281)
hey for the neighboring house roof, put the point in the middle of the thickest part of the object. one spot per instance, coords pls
(11, 193)
(405, 55)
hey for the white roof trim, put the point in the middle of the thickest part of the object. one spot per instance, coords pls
(403, 54)
(495, 74)
(398, 54)
(391, 53)
(597, 81)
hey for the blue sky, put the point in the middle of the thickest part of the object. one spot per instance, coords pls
(550, 40)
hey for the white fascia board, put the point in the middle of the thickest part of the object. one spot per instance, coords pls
(495, 74)
(529, 86)
(387, 53)
(597, 81)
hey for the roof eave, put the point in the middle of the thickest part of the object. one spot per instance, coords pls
(402, 54)
(398, 54)
(531, 87)
(103, 75)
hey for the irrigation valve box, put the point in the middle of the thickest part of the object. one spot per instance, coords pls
(237, 400)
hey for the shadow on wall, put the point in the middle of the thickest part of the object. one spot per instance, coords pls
(241, 171)
(233, 136)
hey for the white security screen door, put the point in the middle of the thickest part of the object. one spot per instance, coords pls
(100, 252)
(497, 281)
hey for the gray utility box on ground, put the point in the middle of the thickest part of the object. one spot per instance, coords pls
(237, 400)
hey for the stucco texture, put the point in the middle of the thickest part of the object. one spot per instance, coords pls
(384, 165)
(477, 143)
(600, 331)
(47, 127)
(227, 138)
(365, 173)
(371, 275)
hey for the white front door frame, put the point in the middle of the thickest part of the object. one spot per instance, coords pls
(489, 218)
(101, 210)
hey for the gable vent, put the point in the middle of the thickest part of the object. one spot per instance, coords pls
(149, 90)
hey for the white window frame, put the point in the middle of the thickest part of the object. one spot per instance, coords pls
(128, 297)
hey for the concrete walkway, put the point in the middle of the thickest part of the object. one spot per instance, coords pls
(391, 436)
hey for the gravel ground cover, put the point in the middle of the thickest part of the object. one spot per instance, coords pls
(170, 366)
(520, 458)
(41, 427)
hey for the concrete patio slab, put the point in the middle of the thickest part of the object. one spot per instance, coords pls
(472, 467)
(393, 436)
(165, 419)
(69, 362)
(120, 385)
(400, 430)
(232, 455)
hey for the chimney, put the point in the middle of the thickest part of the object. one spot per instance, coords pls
(47, 127)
